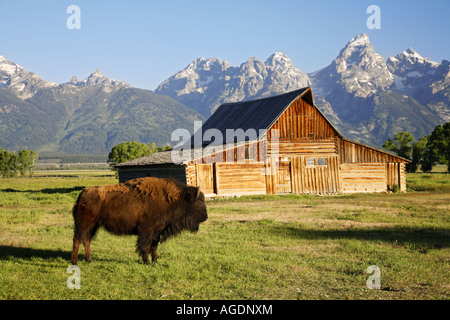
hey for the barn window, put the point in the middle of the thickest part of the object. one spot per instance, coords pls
(322, 161)
(310, 162)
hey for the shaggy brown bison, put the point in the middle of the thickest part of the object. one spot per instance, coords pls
(151, 208)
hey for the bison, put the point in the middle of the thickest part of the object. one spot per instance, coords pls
(151, 208)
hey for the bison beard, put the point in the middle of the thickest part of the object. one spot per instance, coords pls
(151, 208)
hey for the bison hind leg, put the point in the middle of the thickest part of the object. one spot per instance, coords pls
(76, 245)
(84, 235)
(142, 247)
(87, 242)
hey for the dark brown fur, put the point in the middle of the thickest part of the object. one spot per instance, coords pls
(151, 208)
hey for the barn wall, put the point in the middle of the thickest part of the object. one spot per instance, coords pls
(247, 178)
(162, 171)
(363, 177)
(351, 152)
(298, 175)
(228, 178)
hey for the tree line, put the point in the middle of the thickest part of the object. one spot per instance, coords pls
(424, 153)
(12, 164)
(132, 150)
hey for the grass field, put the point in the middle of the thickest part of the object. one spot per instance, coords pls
(255, 247)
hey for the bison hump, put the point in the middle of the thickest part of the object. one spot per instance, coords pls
(156, 188)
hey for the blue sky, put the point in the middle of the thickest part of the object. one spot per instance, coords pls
(145, 42)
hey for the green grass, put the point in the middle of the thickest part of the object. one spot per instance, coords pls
(434, 182)
(253, 247)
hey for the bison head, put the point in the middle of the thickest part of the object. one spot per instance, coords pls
(196, 208)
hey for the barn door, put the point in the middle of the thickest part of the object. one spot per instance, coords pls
(283, 176)
(205, 177)
(315, 175)
(393, 175)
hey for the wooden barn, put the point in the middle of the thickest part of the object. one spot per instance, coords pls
(274, 145)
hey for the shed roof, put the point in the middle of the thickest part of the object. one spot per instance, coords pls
(163, 157)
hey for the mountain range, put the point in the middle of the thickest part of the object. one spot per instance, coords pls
(366, 97)
(82, 117)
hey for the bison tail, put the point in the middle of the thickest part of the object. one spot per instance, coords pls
(75, 207)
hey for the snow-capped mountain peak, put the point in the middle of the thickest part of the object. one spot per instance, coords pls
(97, 78)
(358, 70)
(279, 60)
(359, 52)
(74, 80)
(9, 68)
(411, 57)
(411, 70)
(23, 83)
(253, 78)
(361, 40)
(97, 73)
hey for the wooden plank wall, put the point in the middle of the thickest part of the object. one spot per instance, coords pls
(165, 171)
(315, 179)
(402, 177)
(205, 178)
(363, 177)
(302, 121)
(249, 150)
(290, 147)
(351, 152)
(270, 167)
(230, 178)
(240, 178)
(294, 175)
(283, 182)
(396, 175)
(191, 175)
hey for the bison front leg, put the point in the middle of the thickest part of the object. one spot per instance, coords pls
(153, 249)
(146, 244)
(143, 246)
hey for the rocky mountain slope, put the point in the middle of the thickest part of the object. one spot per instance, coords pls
(207, 83)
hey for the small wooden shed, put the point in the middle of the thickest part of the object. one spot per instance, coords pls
(274, 145)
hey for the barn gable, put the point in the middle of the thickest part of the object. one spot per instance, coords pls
(233, 120)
